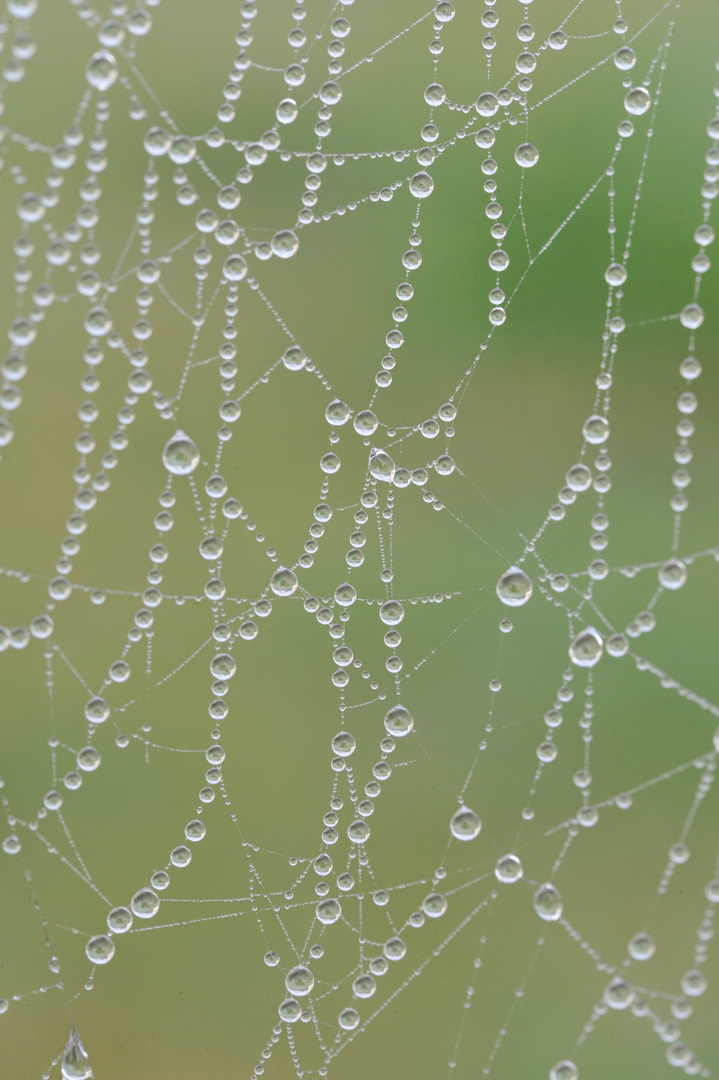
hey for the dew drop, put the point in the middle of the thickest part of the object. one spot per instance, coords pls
(508, 869)
(283, 582)
(548, 903)
(526, 155)
(637, 101)
(101, 70)
(421, 185)
(672, 574)
(586, 648)
(75, 1064)
(180, 456)
(564, 1070)
(465, 824)
(399, 721)
(514, 587)
(100, 949)
(145, 903)
(299, 981)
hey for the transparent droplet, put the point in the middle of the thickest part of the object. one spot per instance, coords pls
(97, 710)
(364, 986)
(290, 1010)
(337, 413)
(637, 101)
(486, 104)
(365, 422)
(578, 478)
(348, 1019)
(434, 94)
(343, 744)
(283, 582)
(586, 648)
(508, 869)
(672, 574)
(345, 594)
(271, 958)
(395, 949)
(619, 994)
(548, 903)
(294, 358)
(434, 905)
(691, 316)
(514, 587)
(145, 904)
(299, 981)
(564, 1070)
(694, 983)
(223, 666)
(101, 71)
(100, 949)
(399, 721)
(358, 831)
(641, 946)
(381, 466)
(119, 920)
(180, 455)
(421, 185)
(526, 155)
(625, 59)
(75, 1064)
(391, 613)
(465, 824)
(328, 911)
(285, 244)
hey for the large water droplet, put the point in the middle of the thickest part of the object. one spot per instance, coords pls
(381, 466)
(75, 1064)
(526, 155)
(328, 911)
(564, 1070)
(637, 101)
(508, 869)
(283, 582)
(548, 903)
(514, 587)
(399, 721)
(100, 949)
(101, 70)
(672, 574)
(299, 981)
(465, 824)
(421, 185)
(145, 903)
(586, 649)
(180, 456)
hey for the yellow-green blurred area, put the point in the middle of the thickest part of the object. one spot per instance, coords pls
(488, 988)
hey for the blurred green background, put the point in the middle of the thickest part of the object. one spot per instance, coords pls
(190, 995)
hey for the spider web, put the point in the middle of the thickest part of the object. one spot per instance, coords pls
(359, 708)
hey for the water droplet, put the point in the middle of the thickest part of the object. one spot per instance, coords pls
(526, 155)
(299, 981)
(290, 1010)
(391, 613)
(101, 70)
(100, 949)
(586, 648)
(394, 949)
(97, 710)
(364, 986)
(337, 413)
(619, 994)
(514, 587)
(223, 666)
(328, 911)
(508, 869)
(564, 1070)
(637, 101)
(421, 185)
(641, 947)
(180, 456)
(694, 983)
(486, 104)
(381, 466)
(672, 574)
(578, 478)
(434, 905)
(294, 358)
(145, 903)
(691, 316)
(271, 958)
(75, 1064)
(285, 244)
(434, 94)
(348, 1019)
(465, 824)
(399, 721)
(283, 582)
(358, 831)
(119, 920)
(344, 745)
(548, 903)
(625, 59)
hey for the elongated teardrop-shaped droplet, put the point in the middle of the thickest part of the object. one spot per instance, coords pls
(548, 903)
(514, 587)
(586, 649)
(381, 466)
(180, 456)
(75, 1063)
